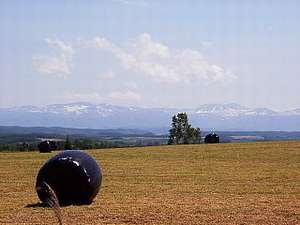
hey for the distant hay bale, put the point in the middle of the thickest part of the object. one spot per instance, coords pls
(211, 138)
(47, 146)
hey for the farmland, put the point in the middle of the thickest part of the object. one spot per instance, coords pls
(236, 183)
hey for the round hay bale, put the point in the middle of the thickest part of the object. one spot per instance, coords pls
(212, 138)
(74, 176)
(44, 147)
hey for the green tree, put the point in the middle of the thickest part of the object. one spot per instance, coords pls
(173, 136)
(182, 132)
(194, 135)
(68, 144)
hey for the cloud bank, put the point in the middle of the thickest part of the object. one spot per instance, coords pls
(144, 56)
(59, 63)
(116, 96)
(162, 63)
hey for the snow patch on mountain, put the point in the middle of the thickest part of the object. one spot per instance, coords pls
(77, 109)
(232, 110)
(104, 111)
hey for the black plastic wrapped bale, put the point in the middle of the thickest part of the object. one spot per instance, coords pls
(44, 147)
(74, 176)
(211, 138)
(47, 146)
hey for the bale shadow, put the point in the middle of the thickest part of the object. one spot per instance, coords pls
(45, 205)
(38, 205)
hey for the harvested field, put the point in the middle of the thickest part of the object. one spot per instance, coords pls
(240, 183)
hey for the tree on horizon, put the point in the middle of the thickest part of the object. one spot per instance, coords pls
(68, 144)
(182, 132)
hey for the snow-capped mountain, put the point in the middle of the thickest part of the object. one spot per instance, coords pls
(209, 116)
(232, 110)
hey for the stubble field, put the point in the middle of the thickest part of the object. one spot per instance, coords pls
(241, 183)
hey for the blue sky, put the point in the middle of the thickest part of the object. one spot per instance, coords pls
(150, 53)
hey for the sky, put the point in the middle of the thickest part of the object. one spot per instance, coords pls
(165, 53)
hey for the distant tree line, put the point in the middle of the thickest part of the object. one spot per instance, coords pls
(83, 143)
(61, 145)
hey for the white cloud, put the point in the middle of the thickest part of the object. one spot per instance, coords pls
(143, 56)
(85, 97)
(116, 97)
(124, 96)
(101, 42)
(161, 63)
(58, 64)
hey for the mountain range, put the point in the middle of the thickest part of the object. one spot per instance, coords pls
(226, 117)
